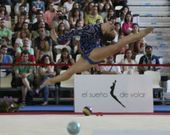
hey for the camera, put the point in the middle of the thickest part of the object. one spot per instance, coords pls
(63, 17)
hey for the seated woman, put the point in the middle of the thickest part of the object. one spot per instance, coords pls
(127, 25)
(91, 37)
(138, 46)
(45, 72)
(65, 58)
(128, 60)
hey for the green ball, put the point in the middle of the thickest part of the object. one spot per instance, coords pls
(87, 110)
(73, 128)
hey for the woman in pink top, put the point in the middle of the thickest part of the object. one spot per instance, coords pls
(127, 25)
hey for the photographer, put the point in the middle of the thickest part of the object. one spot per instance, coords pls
(39, 18)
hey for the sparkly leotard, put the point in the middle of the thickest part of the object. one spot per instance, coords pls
(90, 37)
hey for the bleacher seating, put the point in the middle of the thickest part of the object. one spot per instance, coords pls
(154, 22)
(155, 14)
(151, 11)
(148, 2)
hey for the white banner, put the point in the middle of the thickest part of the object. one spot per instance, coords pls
(113, 93)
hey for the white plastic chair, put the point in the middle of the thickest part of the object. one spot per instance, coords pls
(155, 76)
(161, 60)
(137, 58)
(168, 86)
(119, 57)
(58, 57)
(157, 89)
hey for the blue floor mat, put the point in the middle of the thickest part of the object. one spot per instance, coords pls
(64, 108)
(162, 108)
(70, 108)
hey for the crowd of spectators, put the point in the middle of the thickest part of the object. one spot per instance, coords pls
(30, 28)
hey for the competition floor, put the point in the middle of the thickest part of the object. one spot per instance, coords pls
(55, 124)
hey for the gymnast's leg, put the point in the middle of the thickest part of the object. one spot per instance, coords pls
(99, 54)
(80, 66)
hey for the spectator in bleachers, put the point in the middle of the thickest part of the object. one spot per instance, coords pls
(18, 45)
(60, 18)
(45, 72)
(75, 47)
(4, 57)
(128, 60)
(79, 7)
(24, 29)
(106, 8)
(110, 13)
(122, 14)
(36, 34)
(93, 16)
(106, 1)
(60, 31)
(21, 7)
(24, 75)
(74, 16)
(26, 46)
(4, 14)
(39, 18)
(4, 31)
(65, 58)
(119, 31)
(138, 46)
(88, 7)
(68, 4)
(148, 58)
(38, 5)
(31, 58)
(79, 24)
(127, 25)
(49, 14)
(100, 7)
(18, 25)
(43, 45)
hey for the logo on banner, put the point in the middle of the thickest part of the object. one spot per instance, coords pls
(113, 94)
